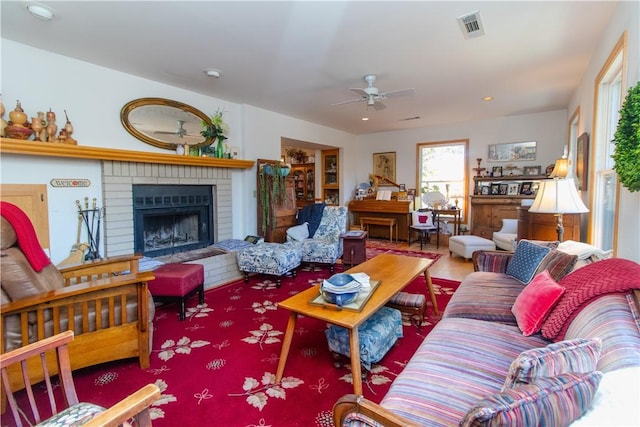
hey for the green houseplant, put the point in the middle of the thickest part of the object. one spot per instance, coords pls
(215, 132)
(627, 141)
(272, 178)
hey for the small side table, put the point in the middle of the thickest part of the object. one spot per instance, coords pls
(354, 245)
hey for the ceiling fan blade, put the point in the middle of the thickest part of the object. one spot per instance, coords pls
(350, 101)
(359, 91)
(399, 92)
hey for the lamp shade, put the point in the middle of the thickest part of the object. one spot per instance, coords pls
(558, 196)
(561, 168)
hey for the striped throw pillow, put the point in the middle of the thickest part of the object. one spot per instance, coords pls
(556, 401)
(579, 355)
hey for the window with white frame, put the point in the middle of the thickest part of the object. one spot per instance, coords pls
(442, 166)
(608, 100)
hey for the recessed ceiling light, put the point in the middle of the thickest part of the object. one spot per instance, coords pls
(39, 11)
(212, 73)
(488, 98)
(364, 119)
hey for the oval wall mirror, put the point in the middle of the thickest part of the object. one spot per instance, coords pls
(164, 123)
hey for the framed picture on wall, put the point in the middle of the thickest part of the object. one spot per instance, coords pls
(384, 164)
(513, 151)
(582, 161)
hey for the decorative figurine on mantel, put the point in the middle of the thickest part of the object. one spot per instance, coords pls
(18, 127)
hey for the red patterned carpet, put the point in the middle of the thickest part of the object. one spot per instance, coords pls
(217, 367)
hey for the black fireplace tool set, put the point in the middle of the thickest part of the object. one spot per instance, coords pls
(91, 218)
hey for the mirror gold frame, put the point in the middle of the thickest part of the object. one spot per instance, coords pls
(164, 123)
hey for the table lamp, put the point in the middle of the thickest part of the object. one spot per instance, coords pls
(558, 197)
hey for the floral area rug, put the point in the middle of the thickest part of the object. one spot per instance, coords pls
(218, 366)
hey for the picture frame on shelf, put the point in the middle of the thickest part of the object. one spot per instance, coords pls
(513, 189)
(512, 152)
(525, 188)
(402, 187)
(503, 189)
(532, 170)
(496, 171)
(484, 190)
(495, 189)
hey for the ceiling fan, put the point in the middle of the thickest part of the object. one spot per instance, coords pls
(372, 95)
(180, 130)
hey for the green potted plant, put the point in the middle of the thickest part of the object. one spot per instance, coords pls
(215, 132)
(627, 141)
(272, 177)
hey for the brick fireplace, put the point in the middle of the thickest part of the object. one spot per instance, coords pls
(118, 179)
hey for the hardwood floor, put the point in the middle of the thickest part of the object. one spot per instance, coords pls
(447, 267)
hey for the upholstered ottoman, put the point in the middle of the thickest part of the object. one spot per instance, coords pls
(413, 304)
(275, 259)
(377, 335)
(465, 246)
(178, 281)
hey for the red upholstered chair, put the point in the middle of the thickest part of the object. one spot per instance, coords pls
(178, 281)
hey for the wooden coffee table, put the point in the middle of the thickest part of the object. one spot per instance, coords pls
(394, 271)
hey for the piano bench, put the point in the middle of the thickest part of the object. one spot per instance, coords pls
(366, 221)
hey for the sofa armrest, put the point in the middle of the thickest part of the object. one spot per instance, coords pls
(491, 261)
(376, 414)
(100, 269)
(57, 306)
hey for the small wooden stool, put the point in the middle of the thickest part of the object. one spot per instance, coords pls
(414, 304)
(178, 281)
(389, 222)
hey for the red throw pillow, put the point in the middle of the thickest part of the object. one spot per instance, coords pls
(422, 219)
(535, 302)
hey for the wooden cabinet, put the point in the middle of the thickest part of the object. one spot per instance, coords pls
(539, 226)
(304, 176)
(275, 218)
(497, 198)
(487, 213)
(331, 177)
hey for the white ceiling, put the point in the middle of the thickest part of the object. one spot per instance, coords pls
(297, 58)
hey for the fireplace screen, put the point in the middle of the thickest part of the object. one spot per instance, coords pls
(172, 218)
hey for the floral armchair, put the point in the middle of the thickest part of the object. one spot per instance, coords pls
(325, 246)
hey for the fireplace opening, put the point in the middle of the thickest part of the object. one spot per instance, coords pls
(172, 218)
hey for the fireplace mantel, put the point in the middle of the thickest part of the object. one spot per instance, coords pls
(53, 149)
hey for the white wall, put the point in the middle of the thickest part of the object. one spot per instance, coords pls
(548, 129)
(93, 97)
(626, 17)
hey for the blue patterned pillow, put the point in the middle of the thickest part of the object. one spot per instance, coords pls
(556, 401)
(526, 260)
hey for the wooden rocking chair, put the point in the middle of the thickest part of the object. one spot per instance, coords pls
(54, 351)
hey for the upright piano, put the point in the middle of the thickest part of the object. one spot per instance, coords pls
(398, 209)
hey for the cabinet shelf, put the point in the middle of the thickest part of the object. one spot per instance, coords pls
(509, 178)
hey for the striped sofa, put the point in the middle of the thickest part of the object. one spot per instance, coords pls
(467, 356)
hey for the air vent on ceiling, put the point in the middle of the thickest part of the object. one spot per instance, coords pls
(471, 25)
